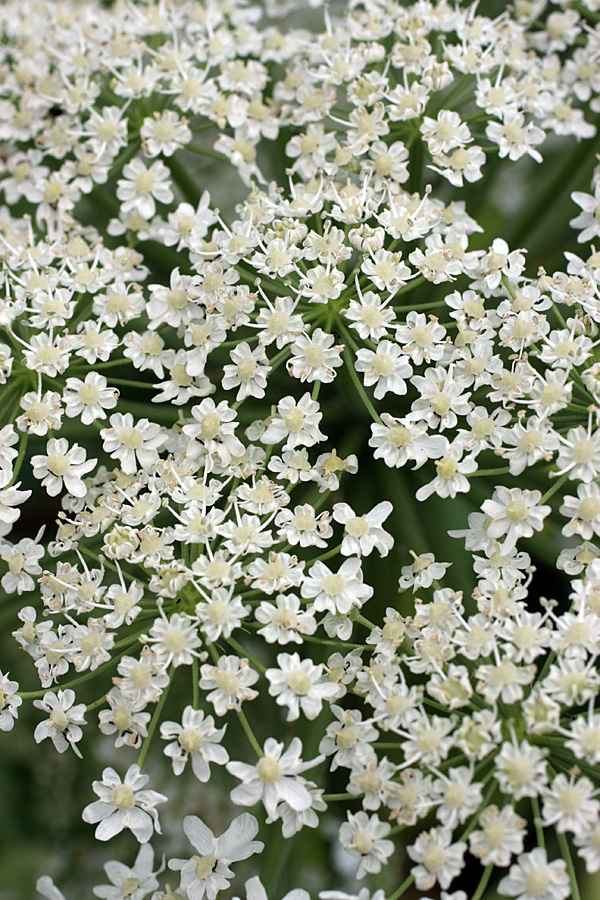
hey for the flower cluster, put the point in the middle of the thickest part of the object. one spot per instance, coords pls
(197, 386)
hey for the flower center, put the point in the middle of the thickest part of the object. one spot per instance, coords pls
(299, 682)
(124, 797)
(268, 769)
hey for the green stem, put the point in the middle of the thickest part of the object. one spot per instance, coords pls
(208, 152)
(19, 459)
(360, 389)
(483, 882)
(187, 185)
(127, 382)
(96, 704)
(565, 852)
(358, 617)
(249, 733)
(327, 555)
(245, 654)
(585, 12)
(403, 888)
(195, 683)
(537, 823)
(555, 487)
(153, 724)
(35, 695)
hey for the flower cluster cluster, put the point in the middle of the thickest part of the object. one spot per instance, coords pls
(205, 532)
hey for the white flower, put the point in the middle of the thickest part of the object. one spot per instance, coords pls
(439, 859)
(124, 804)
(229, 683)
(569, 805)
(9, 702)
(164, 133)
(196, 739)
(22, 561)
(363, 534)
(209, 872)
(274, 779)
(215, 430)
(588, 219)
(314, 358)
(62, 465)
(295, 422)
(336, 592)
(365, 837)
(88, 399)
(514, 513)
(299, 685)
(133, 445)
(501, 833)
(141, 187)
(175, 640)
(386, 368)
(532, 877)
(64, 721)
(133, 883)
(248, 371)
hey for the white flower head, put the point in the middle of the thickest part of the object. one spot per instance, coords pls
(208, 872)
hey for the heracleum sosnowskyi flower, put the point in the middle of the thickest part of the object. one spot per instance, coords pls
(246, 257)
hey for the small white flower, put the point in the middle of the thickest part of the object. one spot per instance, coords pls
(64, 720)
(532, 877)
(133, 445)
(9, 702)
(196, 739)
(124, 804)
(62, 465)
(133, 883)
(208, 871)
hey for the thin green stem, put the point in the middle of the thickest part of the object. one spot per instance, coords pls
(403, 888)
(245, 654)
(195, 683)
(186, 184)
(249, 733)
(483, 882)
(153, 723)
(537, 823)
(207, 151)
(328, 555)
(19, 460)
(96, 704)
(360, 389)
(565, 852)
(35, 695)
(127, 382)
(555, 487)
